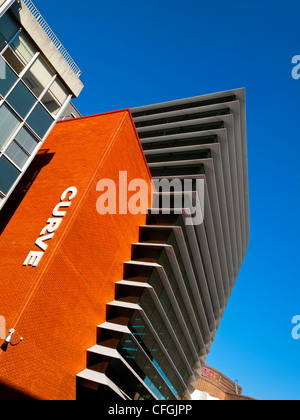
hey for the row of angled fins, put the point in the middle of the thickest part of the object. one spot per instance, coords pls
(168, 307)
(110, 368)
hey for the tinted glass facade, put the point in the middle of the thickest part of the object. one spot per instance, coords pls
(31, 98)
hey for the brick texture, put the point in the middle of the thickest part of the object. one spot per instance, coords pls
(219, 386)
(57, 305)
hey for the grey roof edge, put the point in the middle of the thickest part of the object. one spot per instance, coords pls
(239, 93)
(45, 45)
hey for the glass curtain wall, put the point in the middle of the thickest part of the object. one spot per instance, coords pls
(31, 97)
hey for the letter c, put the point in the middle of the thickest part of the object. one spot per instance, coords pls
(153, 410)
(72, 190)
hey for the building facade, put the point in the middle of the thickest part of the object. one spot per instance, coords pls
(115, 306)
(161, 292)
(175, 288)
(215, 386)
(37, 81)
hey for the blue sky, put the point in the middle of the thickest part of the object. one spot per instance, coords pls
(135, 53)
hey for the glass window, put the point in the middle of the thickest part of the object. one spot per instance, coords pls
(149, 344)
(165, 301)
(55, 97)
(8, 175)
(23, 48)
(163, 333)
(155, 282)
(26, 140)
(8, 124)
(10, 78)
(137, 359)
(17, 154)
(21, 99)
(22, 147)
(19, 53)
(38, 77)
(8, 29)
(40, 121)
(13, 61)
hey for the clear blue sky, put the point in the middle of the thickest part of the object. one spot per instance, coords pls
(140, 52)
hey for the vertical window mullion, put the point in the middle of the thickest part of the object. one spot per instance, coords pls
(21, 74)
(27, 67)
(47, 88)
(67, 101)
(11, 41)
(19, 128)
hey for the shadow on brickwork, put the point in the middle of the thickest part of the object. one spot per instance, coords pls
(42, 159)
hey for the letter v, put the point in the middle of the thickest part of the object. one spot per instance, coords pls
(40, 241)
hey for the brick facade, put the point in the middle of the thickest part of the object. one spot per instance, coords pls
(219, 386)
(57, 306)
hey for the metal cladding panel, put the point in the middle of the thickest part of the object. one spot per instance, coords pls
(57, 305)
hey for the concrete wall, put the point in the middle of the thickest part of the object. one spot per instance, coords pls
(46, 46)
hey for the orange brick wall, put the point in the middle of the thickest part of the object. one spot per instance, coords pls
(57, 305)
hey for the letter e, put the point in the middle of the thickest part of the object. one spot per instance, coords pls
(33, 258)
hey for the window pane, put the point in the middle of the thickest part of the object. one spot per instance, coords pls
(55, 97)
(17, 155)
(40, 121)
(9, 80)
(8, 29)
(8, 124)
(27, 140)
(2, 45)
(21, 99)
(23, 48)
(8, 175)
(13, 60)
(38, 77)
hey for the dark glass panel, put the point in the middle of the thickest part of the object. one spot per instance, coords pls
(40, 121)
(21, 99)
(8, 175)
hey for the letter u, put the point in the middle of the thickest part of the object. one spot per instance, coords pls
(57, 213)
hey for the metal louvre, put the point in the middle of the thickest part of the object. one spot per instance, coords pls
(197, 266)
